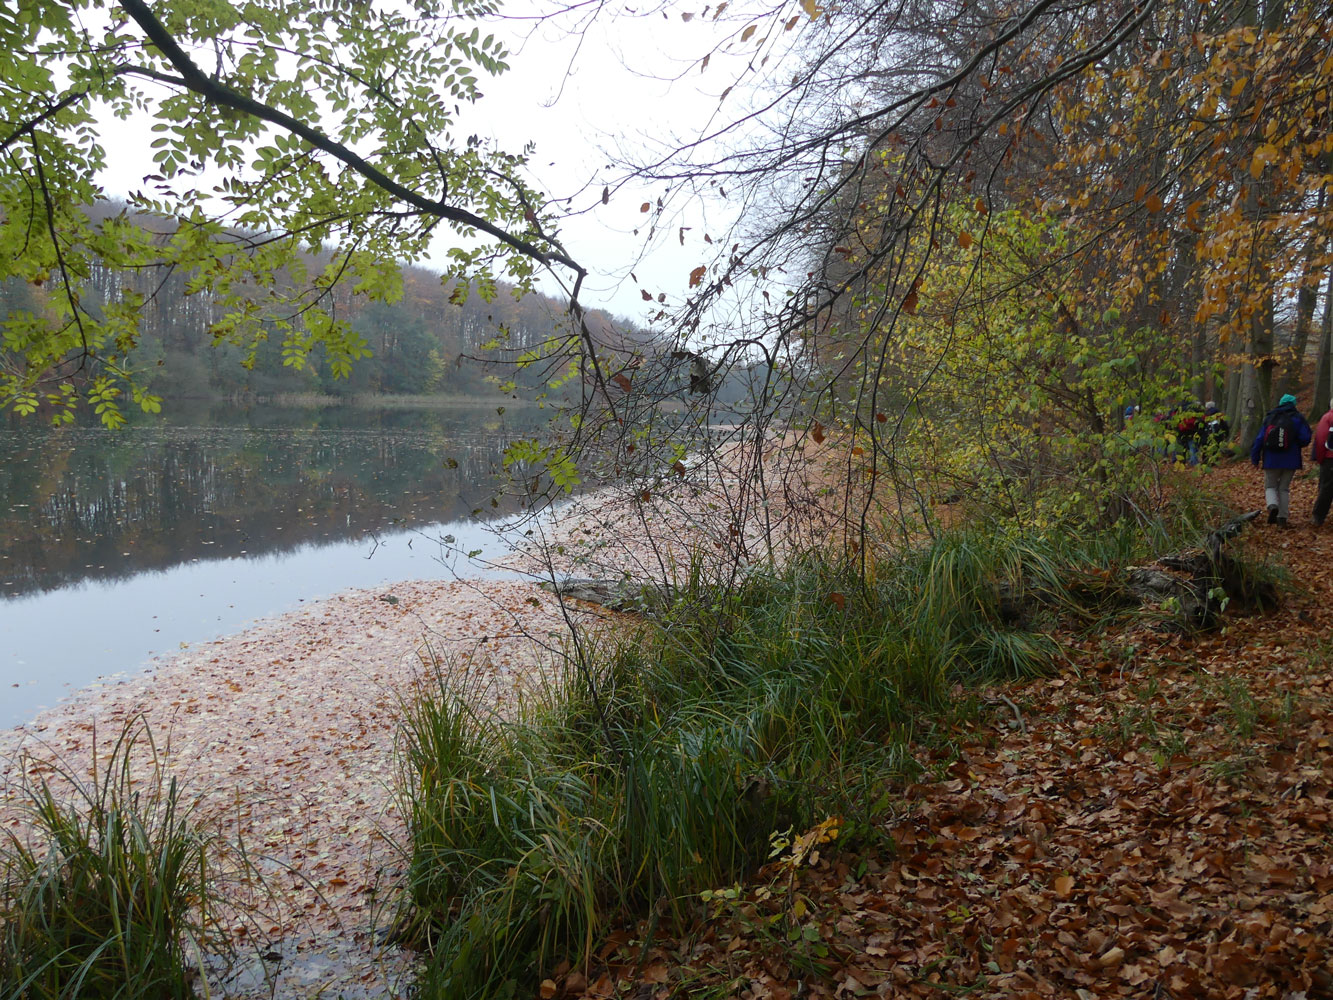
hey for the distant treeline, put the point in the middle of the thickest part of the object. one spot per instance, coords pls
(434, 340)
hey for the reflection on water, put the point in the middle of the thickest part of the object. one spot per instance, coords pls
(85, 503)
(119, 545)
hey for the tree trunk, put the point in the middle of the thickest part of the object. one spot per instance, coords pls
(1198, 365)
(1307, 295)
(1248, 412)
(1261, 351)
(1323, 373)
(1217, 382)
(1235, 393)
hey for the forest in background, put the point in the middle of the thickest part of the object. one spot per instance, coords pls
(1034, 217)
(432, 339)
(972, 238)
(1028, 230)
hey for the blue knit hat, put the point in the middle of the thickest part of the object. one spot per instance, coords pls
(1288, 398)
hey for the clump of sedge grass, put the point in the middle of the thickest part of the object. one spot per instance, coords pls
(103, 887)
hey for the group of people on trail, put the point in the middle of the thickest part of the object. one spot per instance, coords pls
(1201, 430)
(1278, 449)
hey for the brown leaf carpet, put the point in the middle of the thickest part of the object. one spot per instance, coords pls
(1151, 821)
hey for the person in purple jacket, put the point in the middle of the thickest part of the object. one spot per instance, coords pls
(1277, 447)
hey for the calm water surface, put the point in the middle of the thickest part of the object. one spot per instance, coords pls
(117, 546)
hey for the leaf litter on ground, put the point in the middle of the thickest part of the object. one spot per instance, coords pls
(1151, 821)
(285, 735)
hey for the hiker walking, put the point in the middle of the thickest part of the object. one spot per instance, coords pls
(1277, 447)
(1322, 454)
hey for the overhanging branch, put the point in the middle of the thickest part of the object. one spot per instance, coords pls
(192, 78)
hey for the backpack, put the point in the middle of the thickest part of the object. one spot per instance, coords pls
(1280, 434)
(1328, 441)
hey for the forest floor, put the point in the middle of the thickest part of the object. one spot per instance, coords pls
(1153, 820)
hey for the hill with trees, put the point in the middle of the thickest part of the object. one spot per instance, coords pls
(427, 337)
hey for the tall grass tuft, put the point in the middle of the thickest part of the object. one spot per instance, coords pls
(104, 895)
(787, 699)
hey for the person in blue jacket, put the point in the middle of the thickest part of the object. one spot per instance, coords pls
(1277, 447)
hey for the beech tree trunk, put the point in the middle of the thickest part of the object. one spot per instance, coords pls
(1261, 351)
(1323, 373)
(1307, 295)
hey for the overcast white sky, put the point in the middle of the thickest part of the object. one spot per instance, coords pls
(576, 98)
(627, 85)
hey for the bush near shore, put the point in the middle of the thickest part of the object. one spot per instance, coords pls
(106, 895)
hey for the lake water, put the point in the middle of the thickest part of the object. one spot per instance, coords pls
(116, 546)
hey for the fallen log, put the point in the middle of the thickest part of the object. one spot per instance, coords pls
(615, 594)
(1195, 586)
(1192, 587)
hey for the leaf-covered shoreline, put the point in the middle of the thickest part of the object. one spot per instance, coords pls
(285, 732)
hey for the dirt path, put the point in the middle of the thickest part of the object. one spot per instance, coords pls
(1153, 821)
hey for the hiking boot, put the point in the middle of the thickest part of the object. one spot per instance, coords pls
(1281, 522)
(1272, 514)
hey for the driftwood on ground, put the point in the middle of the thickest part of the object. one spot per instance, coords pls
(1194, 586)
(1198, 584)
(615, 594)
